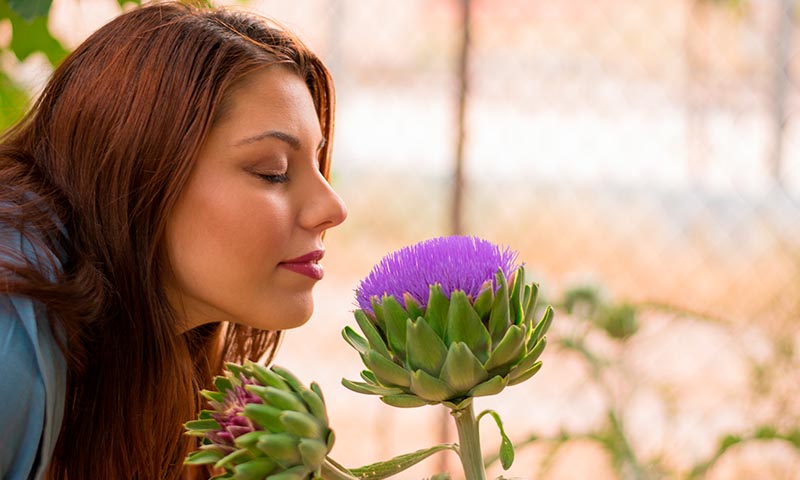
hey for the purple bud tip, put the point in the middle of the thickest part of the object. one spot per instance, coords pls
(456, 263)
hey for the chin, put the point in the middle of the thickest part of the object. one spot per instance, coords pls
(286, 319)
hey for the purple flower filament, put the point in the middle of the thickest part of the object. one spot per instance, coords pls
(456, 263)
(230, 418)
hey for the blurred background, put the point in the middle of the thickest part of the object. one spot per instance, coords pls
(643, 156)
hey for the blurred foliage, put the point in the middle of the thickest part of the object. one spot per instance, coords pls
(13, 100)
(30, 34)
(594, 312)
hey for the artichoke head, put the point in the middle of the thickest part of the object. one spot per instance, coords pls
(451, 349)
(263, 424)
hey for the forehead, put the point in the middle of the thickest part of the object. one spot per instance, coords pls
(274, 93)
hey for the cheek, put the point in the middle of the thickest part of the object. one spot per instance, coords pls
(229, 233)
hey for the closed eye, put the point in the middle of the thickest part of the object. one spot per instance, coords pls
(273, 177)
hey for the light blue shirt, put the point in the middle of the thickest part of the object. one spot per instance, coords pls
(32, 381)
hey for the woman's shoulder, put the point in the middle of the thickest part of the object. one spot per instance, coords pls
(32, 383)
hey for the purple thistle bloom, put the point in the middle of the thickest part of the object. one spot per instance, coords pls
(456, 263)
(229, 416)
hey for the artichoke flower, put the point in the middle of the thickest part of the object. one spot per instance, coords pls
(446, 320)
(263, 423)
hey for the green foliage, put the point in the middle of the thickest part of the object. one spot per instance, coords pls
(594, 314)
(618, 321)
(30, 9)
(13, 101)
(30, 34)
(506, 447)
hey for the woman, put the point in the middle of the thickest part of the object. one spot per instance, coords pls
(161, 211)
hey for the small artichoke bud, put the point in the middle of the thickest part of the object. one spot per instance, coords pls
(619, 321)
(262, 423)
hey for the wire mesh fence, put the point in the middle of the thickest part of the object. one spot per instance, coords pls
(650, 147)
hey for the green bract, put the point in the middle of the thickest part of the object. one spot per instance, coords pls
(264, 424)
(453, 348)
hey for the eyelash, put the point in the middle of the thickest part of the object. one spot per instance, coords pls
(274, 178)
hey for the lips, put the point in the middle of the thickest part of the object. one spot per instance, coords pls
(306, 264)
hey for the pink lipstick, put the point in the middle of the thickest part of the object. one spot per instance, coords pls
(306, 264)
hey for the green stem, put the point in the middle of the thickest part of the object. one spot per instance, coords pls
(333, 471)
(469, 442)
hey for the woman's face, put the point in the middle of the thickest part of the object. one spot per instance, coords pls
(245, 236)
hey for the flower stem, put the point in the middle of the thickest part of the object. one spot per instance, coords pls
(469, 442)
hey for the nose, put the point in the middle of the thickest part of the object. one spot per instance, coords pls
(324, 208)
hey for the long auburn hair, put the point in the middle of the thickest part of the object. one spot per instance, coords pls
(90, 175)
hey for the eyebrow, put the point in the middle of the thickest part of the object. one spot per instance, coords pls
(291, 140)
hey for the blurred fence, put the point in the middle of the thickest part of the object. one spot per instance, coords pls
(648, 146)
(652, 147)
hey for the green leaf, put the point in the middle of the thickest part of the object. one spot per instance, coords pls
(425, 349)
(506, 447)
(369, 389)
(256, 469)
(412, 306)
(493, 386)
(387, 372)
(355, 340)
(464, 325)
(13, 101)
(531, 296)
(369, 377)
(430, 388)
(542, 327)
(236, 369)
(282, 448)
(249, 439)
(315, 403)
(303, 425)
(265, 416)
(299, 472)
(462, 370)
(213, 396)
(516, 297)
(436, 311)
(404, 400)
(30, 9)
(378, 312)
(532, 356)
(289, 378)
(267, 377)
(396, 319)
(500, 317)
(510, 349)
(277, 398)
(313, 452)
(518, 375)
(376, 342)
(205, 414)
(331, 440)
(318, 391)
(238, 456)
(202, 425)
(223, 384)
(483, 302)
(203, 457)
(389, 468)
